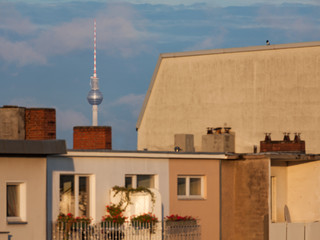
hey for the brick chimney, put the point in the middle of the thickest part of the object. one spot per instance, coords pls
(40, 123)
(19, 123)
(92, 137)
(286, 145)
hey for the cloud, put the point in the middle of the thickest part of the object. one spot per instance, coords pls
(19, 52)
(292, 20)
(65, 38)
(120, 31)
(11, 20)
(26, 102)
(67, 119)
(13, 50)
(133, 101)
(209, 42)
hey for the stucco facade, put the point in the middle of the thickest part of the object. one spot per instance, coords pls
(207, 208)
(30, 173)
(245, 198)
(23, 178)
(297, 191)
(253, 90)
(105, 170)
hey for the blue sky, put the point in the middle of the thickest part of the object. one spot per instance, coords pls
(46, 49)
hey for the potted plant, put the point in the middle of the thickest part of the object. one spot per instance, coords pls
(65, 221)
(144, 221)
(69, 224)
(175, 219)
(113, 221)
(176, 225)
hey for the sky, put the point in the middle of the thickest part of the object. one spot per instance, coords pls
(46, 49)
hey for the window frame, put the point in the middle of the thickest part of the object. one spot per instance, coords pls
(21, 217)
(134, 180)
(76, 179)
(187, 187)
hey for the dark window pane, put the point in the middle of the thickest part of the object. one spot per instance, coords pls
(128, 182)
(145, 181)
(67, 194)
(12, 200)
(181, 186)
(84, 196)
(195, 186)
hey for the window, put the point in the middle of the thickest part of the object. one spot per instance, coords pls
(16, 202)
(74, 195)
(190, 187)
(134, 181)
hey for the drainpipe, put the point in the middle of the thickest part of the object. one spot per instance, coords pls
(220, 199)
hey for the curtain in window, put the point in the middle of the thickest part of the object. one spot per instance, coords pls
(145, 181)
(67, 194)
(182, 186)
(12, 201)
(195, 186)
(84, 196)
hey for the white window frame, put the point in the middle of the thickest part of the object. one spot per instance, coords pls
(76, 192)
(22, 203)
(273, 195)
(135, 181)
(187, 190)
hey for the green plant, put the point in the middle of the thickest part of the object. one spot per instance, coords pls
(62, 218)
(127, 192)
(115, 214)
(145, 221)
(145, 218)
(83, 221)
(177, 218)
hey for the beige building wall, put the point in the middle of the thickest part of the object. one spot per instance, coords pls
(280, 191)
(206, 209)
(303, 191)
(297, 196)
(245, 199)
(253, 90)
(31, 172)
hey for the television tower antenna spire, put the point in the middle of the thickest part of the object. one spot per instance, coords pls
(94, 96)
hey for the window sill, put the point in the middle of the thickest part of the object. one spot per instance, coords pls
(190, 198)
(15, 221)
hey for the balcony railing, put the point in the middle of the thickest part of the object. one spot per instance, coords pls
(297, 231)
(126, 231)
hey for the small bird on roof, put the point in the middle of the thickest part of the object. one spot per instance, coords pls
(267, 42)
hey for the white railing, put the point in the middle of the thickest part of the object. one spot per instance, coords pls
(126, 231)
(296, 231)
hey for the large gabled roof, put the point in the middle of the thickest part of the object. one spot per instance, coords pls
(211, 52)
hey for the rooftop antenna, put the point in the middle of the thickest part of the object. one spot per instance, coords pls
(94, 96)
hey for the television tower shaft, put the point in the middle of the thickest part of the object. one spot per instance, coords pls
(95, 97)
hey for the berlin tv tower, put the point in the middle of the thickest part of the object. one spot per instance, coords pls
(94, 96)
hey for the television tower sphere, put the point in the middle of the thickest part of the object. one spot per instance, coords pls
(94, 97)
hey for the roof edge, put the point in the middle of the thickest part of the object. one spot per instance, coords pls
(147, 96)
(32, 147)
(241, 49)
